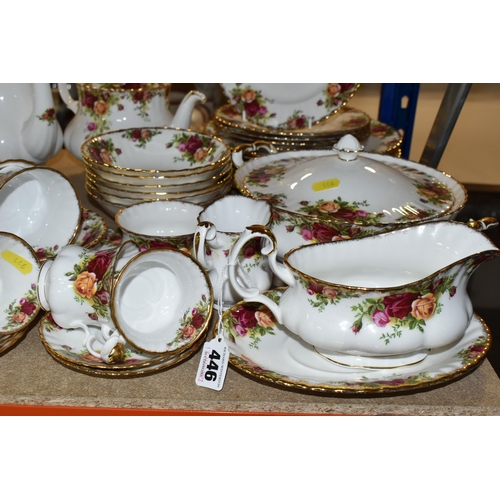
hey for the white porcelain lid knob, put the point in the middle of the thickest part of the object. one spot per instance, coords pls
(348, 147)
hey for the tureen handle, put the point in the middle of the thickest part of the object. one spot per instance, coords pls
(238, 151)
(269, 249)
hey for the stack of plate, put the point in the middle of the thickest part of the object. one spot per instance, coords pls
(298, 116)
(129, 166)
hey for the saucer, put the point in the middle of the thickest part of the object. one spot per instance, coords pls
(66, 347)
(8, 342)
(269, 352)
(93, 229)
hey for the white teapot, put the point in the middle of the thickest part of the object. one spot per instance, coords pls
(28, 126)
(114, 106)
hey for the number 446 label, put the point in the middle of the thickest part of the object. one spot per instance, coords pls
(213, 364)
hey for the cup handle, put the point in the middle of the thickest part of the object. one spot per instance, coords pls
(237, 155)
(114, 261)
(206, 233)
(111, 350)
(270, 250)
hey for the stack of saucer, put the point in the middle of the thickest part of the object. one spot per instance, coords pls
(129, 166)
(155, 315)
(376, 137)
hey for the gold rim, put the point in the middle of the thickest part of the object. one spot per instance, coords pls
(225, 156)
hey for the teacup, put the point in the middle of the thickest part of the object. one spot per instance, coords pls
(380, 301)
(220, 226)
(76, 287)
(39, 205)
(160, 224)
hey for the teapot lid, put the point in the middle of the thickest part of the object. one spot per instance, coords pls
(347, 185)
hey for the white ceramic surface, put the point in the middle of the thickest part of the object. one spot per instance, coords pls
(41, 206)
(154, 224)
(162, 301)
(270, 353)
(155, 150)
(278, 105)
(29, 129)
(219, 226)
(391, 294)
(19, 268)
(314, 203)
(77, 285)
(104, 107)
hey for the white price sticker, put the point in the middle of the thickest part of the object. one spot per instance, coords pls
(213, 364)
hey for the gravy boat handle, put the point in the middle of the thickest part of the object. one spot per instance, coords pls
(268, 249)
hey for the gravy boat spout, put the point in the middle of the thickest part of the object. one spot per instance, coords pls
(389, 295)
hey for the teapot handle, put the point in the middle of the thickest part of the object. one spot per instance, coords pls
(269, 249)
(66, 97)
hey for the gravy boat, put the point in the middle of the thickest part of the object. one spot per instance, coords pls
(380, 301)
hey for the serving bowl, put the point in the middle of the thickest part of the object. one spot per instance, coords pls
(321, 196)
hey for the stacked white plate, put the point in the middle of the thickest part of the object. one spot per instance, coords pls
(129, 166)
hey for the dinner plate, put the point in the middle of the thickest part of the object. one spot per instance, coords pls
(92, 230)
(75, 357)
(282, 105)
(270, 353)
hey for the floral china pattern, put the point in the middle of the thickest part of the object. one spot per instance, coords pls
(104, 151)
(467, 357)
(250, 254)
(92, 279)
(93, 229)
(252, 103)
(21, 312)
(409, 309)
(49, 116)
(250, 320)
(194, 148)
(335, 94)
(141, 136)
(46, 252)
(97, 104)
(192, 323)
(183, 243)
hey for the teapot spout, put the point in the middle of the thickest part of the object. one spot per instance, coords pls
(182, 118)
(41, 133)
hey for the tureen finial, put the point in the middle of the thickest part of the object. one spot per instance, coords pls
(348, 147)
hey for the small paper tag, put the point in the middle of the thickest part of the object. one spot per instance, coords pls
(326, 184)
(20, 263)
(213, 364)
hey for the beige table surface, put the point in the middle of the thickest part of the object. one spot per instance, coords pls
(30, 376)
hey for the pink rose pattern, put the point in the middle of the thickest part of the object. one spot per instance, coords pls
(250, 320)
(49, 116)
(21, 312)
(192, 323)
(194, 148)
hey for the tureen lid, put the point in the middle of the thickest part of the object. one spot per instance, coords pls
(347, 185)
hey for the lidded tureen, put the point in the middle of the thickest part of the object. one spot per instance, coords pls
(321, 196)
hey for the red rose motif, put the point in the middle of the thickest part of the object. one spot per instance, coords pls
(89, 99)
(27, 307)
(193, 144)
(246, 319)
(197, 320)
(251, 108)
(399, 304)
(100, 263)
(161, 244)
(322, 232)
